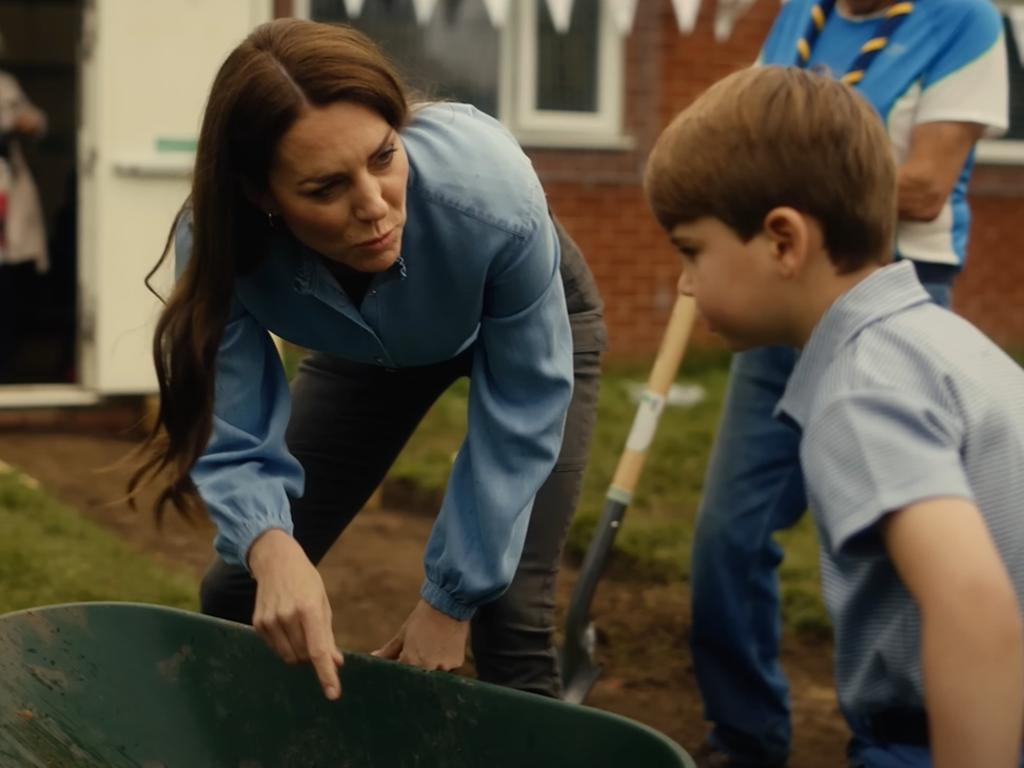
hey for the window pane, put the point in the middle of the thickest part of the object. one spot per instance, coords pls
(567, 64)
(454, 57)
(1016, 131)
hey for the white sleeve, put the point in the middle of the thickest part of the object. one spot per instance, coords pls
(976, 92)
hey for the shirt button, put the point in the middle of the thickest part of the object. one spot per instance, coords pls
(372, 292)
(379, 360)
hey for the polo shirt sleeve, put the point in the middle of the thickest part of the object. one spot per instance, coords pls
(246, 475)
(520, 388)
(871, 452)
(968, 80)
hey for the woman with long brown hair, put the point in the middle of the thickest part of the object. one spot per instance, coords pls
(406, 247)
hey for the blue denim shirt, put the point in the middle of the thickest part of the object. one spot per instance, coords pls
(479, 267)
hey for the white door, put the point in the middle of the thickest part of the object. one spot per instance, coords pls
(147, 66)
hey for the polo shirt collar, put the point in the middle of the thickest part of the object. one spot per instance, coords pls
(883, 293)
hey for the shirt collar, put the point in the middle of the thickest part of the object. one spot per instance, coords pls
(884, 292)
(311, 272)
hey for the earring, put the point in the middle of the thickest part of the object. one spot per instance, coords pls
(270, 219)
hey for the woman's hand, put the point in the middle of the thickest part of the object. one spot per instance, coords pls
(292, 612)
(429, 640)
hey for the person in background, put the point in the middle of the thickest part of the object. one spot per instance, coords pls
(22, 229)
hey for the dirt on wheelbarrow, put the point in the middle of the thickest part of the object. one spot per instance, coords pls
(373, 576)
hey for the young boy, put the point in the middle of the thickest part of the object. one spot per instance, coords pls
(778, 188)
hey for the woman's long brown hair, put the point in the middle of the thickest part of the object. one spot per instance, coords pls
(282, 69)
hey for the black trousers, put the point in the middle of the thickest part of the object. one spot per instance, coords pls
(349, 421)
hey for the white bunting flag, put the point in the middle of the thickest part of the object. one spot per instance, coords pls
(1016, 16)
(726, 14)
(622, 12)
(686, 14)
(353, 8)
(424, 10)
(561, 13)
(497, 10)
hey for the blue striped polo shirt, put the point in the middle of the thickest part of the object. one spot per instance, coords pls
(899, 400)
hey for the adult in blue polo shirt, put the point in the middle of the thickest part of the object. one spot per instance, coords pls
(935, 71)
(406, 246)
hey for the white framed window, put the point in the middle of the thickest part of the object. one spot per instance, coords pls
(1009, 149)
(551, 89)
(563, 87)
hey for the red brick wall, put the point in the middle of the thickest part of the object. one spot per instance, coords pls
(634, 267)
(990, 293)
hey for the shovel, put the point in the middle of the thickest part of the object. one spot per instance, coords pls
(580, 670)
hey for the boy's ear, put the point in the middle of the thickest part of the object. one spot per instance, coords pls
(788, 237)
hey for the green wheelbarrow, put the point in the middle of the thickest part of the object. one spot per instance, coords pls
(112, 685)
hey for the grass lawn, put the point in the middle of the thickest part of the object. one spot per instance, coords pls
(49, 554)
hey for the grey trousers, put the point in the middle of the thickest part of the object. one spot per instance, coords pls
(349, 421)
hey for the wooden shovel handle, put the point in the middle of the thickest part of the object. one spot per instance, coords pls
(666, 365)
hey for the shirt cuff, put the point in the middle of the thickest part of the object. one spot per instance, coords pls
(237, 552)
(445, 603)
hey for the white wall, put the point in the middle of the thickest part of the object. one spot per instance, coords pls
(147, 69)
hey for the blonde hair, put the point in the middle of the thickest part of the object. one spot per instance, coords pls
(766, 137)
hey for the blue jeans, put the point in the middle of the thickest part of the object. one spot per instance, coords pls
(753, 488)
